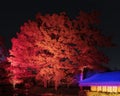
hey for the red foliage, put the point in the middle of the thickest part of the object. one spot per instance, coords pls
(55, 46)
(3, 62)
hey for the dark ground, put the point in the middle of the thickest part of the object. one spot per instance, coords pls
(7, 90)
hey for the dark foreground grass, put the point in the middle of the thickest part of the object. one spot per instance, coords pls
(39, 91)
(61, 91)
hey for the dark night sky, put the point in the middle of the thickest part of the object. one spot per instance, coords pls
(13, 13)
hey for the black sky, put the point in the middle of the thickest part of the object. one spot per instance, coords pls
(13, 14)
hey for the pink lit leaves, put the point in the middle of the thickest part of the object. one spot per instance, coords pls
(55, 46)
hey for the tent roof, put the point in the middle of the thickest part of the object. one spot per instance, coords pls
(102, 79)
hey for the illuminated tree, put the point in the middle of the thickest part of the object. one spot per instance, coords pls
(54, 47)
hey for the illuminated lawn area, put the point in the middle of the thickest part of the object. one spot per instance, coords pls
(102, 94)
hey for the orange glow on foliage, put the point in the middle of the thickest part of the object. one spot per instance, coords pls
(54, 46)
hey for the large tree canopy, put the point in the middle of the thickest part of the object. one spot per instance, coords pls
(54, 47)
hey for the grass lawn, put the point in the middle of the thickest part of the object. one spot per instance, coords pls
(39, 91)
(62, 91)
